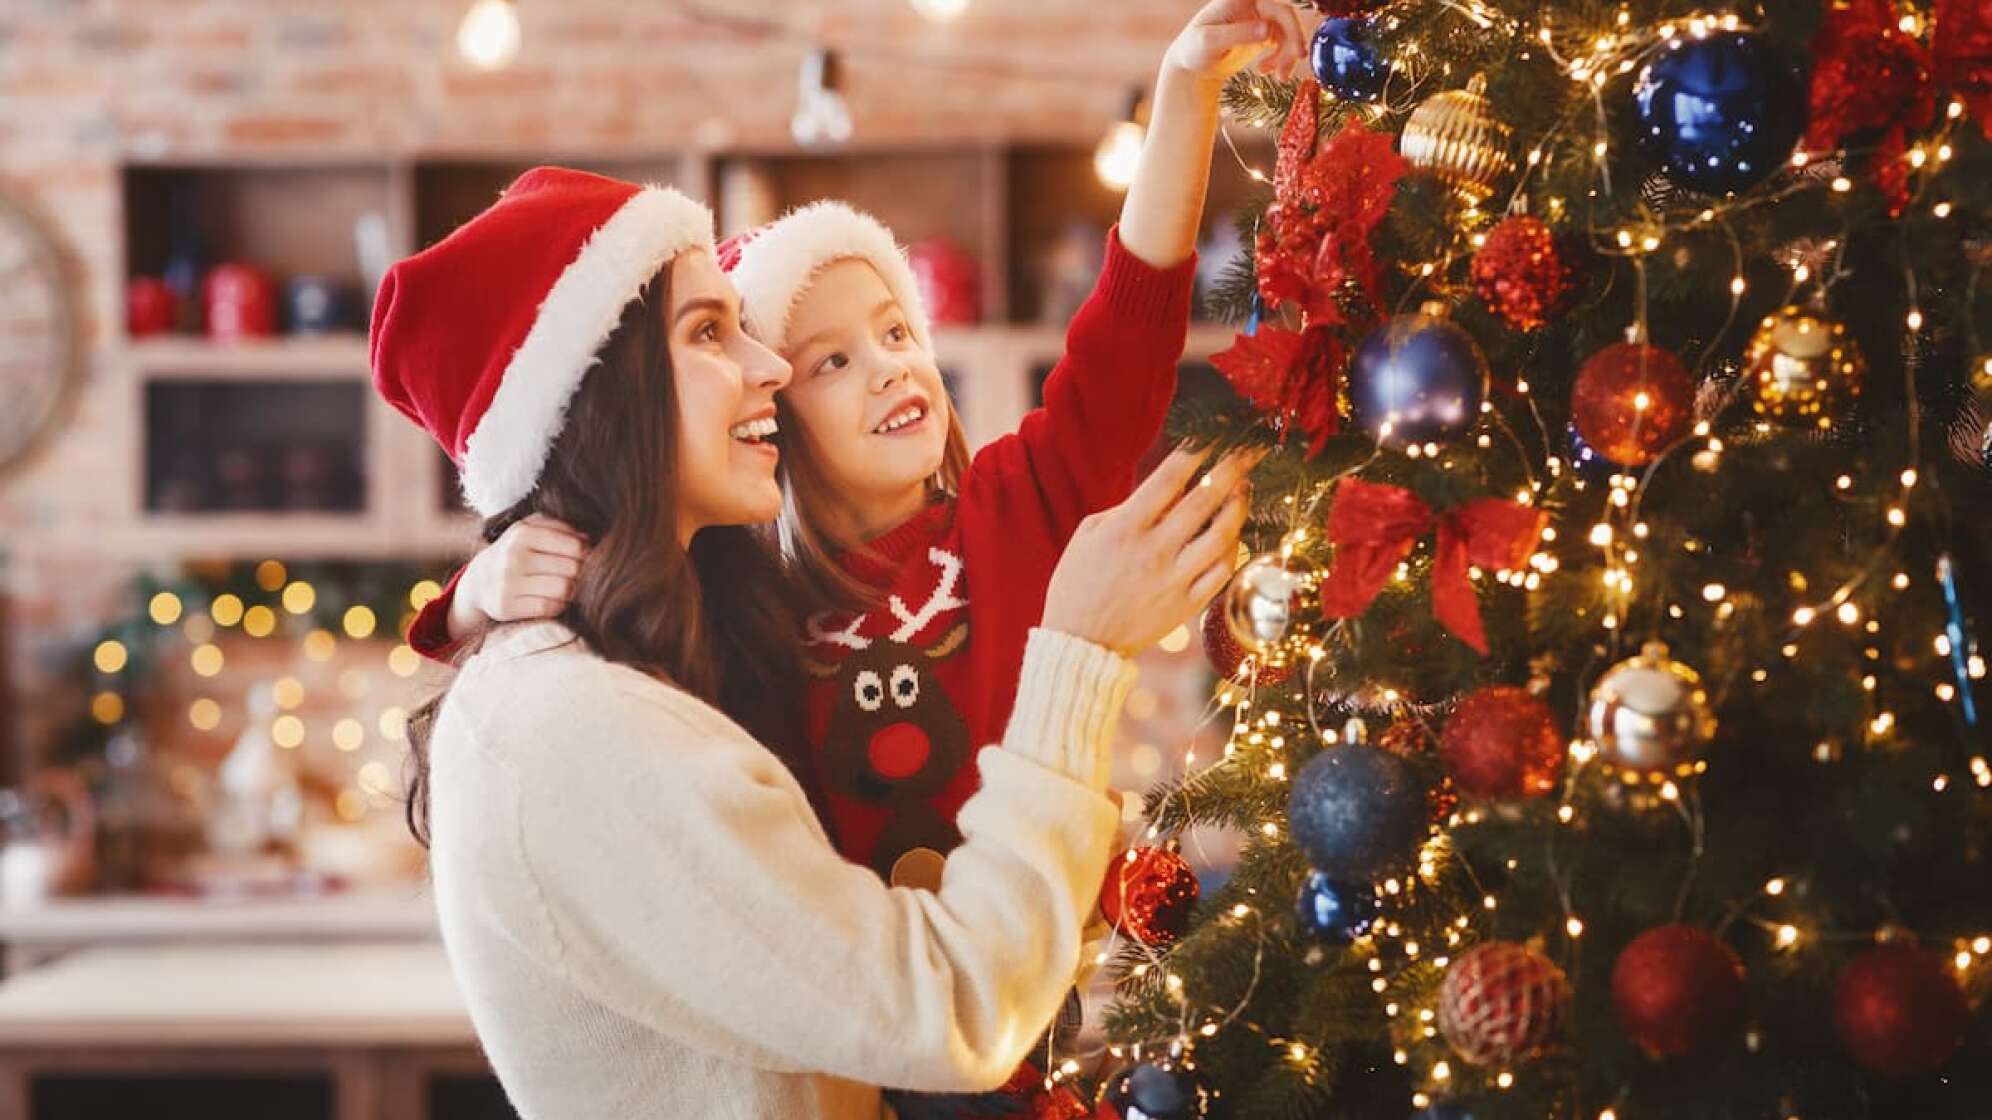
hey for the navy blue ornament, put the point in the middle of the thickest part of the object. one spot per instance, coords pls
(1585, 458)
(1417, 379)
(1721, 113)
(1345, 60)
(1356, 811)
(1160, 1090)
(1443, 1112)
(1332, 912)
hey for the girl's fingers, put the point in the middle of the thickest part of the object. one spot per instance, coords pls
(553, 542)
(544, 587)
(550, 564)
(530, 607)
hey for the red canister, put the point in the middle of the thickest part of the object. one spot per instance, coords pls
(241, 303)
(149, 306)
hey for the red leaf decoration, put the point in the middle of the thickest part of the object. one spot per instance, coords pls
(1290, 375)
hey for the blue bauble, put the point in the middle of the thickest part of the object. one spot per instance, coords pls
(1443, 1112)
(1345, 60)
(1590, 465)
(1332, 912)
(1420, 374)
(1721, 113)
(1356, 812)
(1159, 1090)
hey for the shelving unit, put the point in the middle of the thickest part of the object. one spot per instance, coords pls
(1011, 208)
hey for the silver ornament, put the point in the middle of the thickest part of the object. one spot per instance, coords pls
(1650, 714)
(1273, 608)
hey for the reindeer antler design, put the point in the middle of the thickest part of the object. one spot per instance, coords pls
(847, 636)
(943, 598)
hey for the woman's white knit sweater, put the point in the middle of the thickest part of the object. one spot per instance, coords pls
(646, 919)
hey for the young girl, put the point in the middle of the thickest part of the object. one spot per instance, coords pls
(642, 912)
(888, 524)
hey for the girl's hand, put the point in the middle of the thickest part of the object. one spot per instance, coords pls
(527, 573)
(1228, 35)
(1135, 572)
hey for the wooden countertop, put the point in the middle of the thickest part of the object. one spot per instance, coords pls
(364, 994)
(405, 913)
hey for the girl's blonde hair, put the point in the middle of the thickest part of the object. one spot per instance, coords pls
(820, 581)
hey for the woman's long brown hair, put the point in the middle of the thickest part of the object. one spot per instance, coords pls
(717, 621)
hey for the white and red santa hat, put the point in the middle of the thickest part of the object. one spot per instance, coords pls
(483, 338)
(773, 265)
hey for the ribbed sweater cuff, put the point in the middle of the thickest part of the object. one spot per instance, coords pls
(1143, 296)
(1068, 701)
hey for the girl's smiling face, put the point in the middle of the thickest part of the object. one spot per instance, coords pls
(867, 396)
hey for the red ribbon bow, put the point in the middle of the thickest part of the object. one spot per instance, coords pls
(1871, 73)
(1373, 526)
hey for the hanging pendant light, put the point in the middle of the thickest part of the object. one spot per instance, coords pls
(1118, 155)
(488, 37)
(822, 119)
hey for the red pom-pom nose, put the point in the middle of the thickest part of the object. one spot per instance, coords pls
(900, 751)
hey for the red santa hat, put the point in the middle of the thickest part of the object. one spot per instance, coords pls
(483, 338)
(774, 264)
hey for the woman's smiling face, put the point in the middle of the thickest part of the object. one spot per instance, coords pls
(725, 384)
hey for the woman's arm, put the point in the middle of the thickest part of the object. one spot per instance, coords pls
(681, 881)
(669, 868)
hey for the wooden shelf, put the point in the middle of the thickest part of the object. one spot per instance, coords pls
(188, 357)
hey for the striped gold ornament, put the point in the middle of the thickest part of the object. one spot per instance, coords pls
(1455, 136)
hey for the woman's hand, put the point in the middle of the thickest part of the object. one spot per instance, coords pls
(1133, 573)
(527, 573)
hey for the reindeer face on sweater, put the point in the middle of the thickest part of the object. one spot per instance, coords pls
(894, 736)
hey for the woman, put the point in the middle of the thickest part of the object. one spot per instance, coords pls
(643, 912)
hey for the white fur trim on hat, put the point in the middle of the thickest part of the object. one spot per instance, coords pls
(507, 450)
(776, 266)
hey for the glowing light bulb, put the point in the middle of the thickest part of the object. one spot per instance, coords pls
(488, 37)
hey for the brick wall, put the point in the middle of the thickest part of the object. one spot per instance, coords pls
(86, 84)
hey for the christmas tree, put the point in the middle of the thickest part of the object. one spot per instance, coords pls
(1603, 733)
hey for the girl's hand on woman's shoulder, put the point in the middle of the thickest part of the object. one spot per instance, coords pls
(527, 573)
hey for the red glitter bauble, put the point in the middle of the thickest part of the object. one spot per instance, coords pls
(1501, 1002)
(1231, 660)
(1502, 742)
(1631, 401)
(1148, 895)
(1676, 989)
(1899, 1012)
(1519, 274)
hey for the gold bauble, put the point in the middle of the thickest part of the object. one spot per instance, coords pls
(1456, 136)
(1650, 714)
(1972, 436)
(1806, 367)
(1273, 608)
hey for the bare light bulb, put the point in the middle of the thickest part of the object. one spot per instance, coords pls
(1118, 155)
(821, 116)
(940, 11)
(488, 37)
